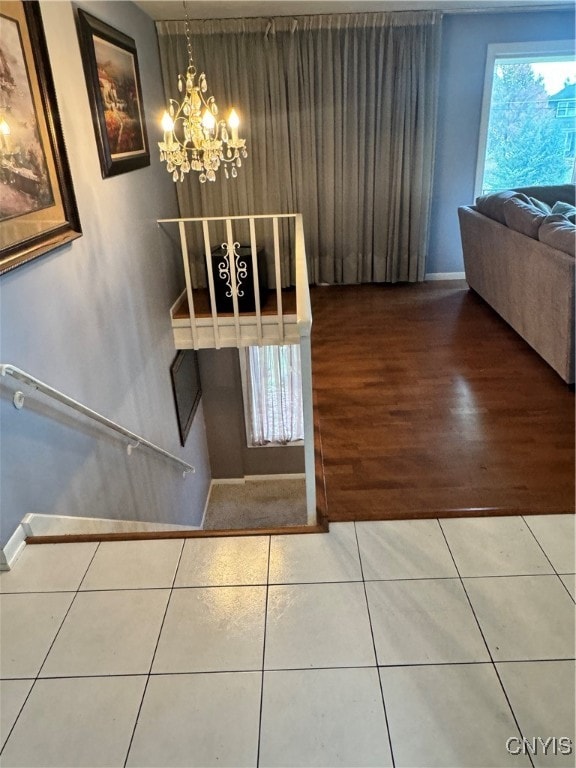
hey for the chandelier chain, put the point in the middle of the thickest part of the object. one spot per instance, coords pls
(188, 37)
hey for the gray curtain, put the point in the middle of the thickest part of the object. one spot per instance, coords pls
(339, 113)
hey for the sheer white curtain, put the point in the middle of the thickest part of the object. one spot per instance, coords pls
(274, 389)
(339, 113)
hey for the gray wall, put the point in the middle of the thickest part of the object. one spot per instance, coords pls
(224, 414)
(464, 46)
(92, 319)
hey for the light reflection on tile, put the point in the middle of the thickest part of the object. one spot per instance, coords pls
(404, 549)
(213, 629)
(318, 625)
(423, 621)
(223, 561)
(316, 558)
(524, 617)
(494, 546)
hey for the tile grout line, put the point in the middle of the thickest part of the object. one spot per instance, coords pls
(483, 637)
(408, 665)
(375, 652)
(547, 558)
(286, 583)
(149, 674)
(37, 676)
(263, 653)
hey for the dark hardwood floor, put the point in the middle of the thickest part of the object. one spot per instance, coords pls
(429, 404)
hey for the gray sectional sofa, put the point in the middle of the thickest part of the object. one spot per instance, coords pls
(519, 256)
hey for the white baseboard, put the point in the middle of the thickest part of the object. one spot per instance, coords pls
(62, 525)
(256, 478)
(228, 481)
(13, 548)
(293, 476)
(445, 276)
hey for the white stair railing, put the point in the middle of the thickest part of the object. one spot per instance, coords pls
(136, 441)
(233, 268)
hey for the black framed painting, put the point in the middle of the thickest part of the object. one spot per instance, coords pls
(37, 205)
(185, 376)
(113, 81)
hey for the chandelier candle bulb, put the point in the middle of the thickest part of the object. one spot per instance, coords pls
(208, 121)
(167, 123)
(234, 122)
(167, 127)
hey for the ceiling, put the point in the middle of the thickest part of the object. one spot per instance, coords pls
(161, 10)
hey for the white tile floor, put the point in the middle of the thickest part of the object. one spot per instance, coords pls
(415, 643)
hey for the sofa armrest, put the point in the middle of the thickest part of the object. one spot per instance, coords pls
(529, 283)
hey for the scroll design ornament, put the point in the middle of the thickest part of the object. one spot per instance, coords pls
(240, 266)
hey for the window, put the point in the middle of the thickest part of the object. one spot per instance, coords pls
(566, 108)
(570, 144)
(527, 112)
(272, 386)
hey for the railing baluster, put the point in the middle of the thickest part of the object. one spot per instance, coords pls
(233, 282)
(256, 278)
(186, 260)
(303, 307)
(208, 255)
(278, 278)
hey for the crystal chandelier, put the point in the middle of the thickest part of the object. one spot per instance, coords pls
(195, 138)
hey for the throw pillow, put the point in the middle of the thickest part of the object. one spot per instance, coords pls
(551, 193)
(523, 217)
(559, 233)
(493, 205)
(542, 207)
(565, 209)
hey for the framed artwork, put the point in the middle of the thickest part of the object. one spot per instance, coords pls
(113, 82)
(185, 376)
(37, 206)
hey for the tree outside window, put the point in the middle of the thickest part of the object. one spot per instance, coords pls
(532, 104)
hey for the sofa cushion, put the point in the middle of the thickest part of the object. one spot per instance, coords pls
(557, 232)
(493, 205)
(523, 217)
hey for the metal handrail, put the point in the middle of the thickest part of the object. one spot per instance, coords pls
(232, 218)
(6, 369)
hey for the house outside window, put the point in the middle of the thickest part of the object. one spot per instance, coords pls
(528, 114)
